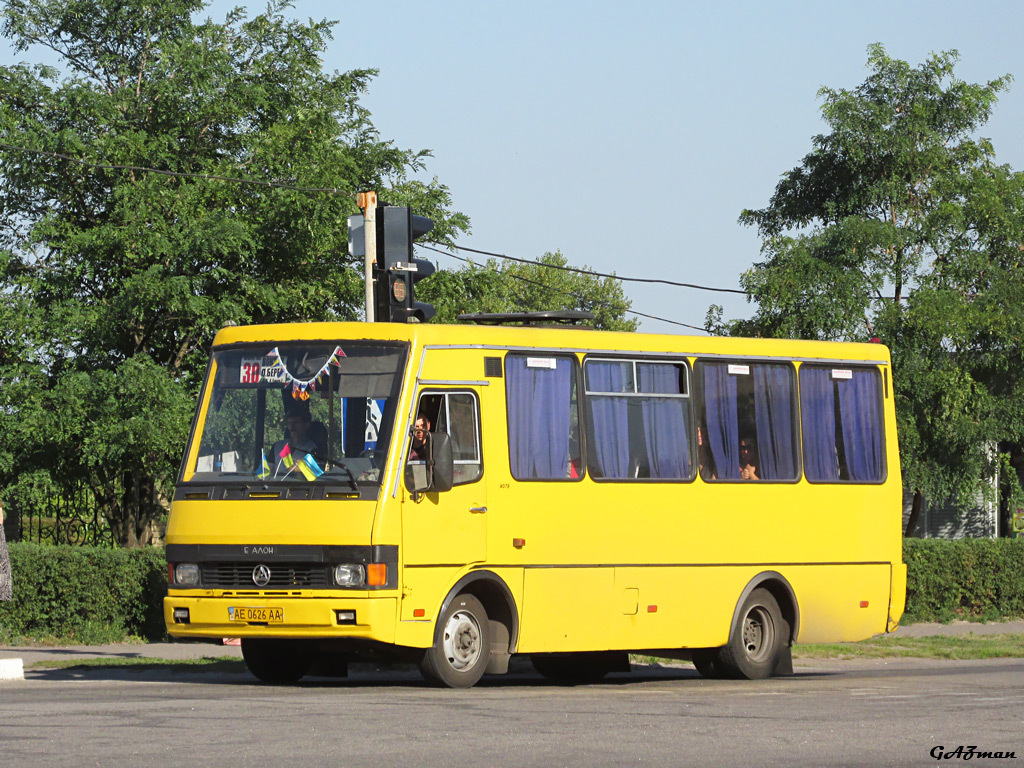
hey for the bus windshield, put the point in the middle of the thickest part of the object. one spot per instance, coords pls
(299, 412)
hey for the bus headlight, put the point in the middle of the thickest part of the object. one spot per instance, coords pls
(186, 574)
(349, 575)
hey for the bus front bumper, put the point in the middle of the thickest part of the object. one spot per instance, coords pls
(370, 618)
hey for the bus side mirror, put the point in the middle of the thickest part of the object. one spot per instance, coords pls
(441, 467)
(436, 473)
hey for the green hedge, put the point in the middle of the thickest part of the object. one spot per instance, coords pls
(964, 579)
(84, 594)
(92, 595)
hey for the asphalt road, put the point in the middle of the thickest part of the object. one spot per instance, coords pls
(835, 713)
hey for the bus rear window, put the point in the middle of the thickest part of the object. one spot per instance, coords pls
(841, 410)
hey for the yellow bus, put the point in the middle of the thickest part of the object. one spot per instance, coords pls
(457, 495)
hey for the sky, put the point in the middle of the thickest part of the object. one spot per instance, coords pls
(630, 137)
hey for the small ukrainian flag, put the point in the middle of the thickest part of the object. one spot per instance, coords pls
(264, 472)
(309, 468)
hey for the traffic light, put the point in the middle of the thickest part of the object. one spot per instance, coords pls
(397, 271)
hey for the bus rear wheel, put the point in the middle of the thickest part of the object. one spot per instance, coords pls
(461, 647)
(753, 650)
(274, 661)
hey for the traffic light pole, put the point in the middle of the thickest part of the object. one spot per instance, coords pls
(368, 202)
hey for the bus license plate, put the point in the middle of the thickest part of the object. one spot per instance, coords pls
(261, 615)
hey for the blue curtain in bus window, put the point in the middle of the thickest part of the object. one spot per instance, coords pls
(773, 404)
(860, 414)
(665, 428)
(539, 403)
(722, 420)
(609, 415)
(818, 419)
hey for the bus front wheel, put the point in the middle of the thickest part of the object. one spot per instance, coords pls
(461, 647)
(707, 663)
(274, 661)
(754, 648)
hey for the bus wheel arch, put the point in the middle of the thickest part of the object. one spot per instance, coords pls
(764, 624)
(784, 594)
(503, 619)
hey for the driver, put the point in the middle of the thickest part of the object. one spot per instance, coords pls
(420, 439)
(297, 423)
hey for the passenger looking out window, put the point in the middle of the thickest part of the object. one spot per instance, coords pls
(748, 459)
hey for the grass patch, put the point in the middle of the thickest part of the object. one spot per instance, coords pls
(53, 641)
(931, 647)
(213, 663)
(961, 647)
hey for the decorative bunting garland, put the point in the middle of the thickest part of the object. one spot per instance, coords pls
(301, 388)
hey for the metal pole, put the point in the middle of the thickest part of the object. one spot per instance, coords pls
(368, 202)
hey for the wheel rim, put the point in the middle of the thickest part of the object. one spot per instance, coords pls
(461, 640)
(758, 634)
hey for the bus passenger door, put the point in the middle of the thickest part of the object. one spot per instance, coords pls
(448, 528)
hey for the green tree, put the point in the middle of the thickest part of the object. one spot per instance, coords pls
(117, 277)
(899, 224)
(509, 286)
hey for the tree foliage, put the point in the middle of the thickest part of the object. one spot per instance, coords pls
(115, 278)
(548, 284)
(901, 225)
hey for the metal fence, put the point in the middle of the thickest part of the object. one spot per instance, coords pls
(63, 518)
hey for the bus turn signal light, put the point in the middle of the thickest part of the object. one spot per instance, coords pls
(863, 603)
(377, 574)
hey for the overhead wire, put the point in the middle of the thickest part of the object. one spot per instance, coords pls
(606, 304)
(659, 280)
(337, 191)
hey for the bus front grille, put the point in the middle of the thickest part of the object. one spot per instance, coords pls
(245, 575)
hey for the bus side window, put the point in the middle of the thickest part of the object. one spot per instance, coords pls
(456, 414)
(543, 427)
(638, 415)
(841, 411)
(464, 428)
(747, 421)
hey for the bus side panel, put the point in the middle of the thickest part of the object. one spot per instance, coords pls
(841, 603)
(663, 607)
(567, 609)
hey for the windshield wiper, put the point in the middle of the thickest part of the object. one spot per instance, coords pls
(351, 475)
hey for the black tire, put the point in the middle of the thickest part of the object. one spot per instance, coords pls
(752, 652)
(462, 645)
(278, 662)
(579, 668)
(707, 663)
